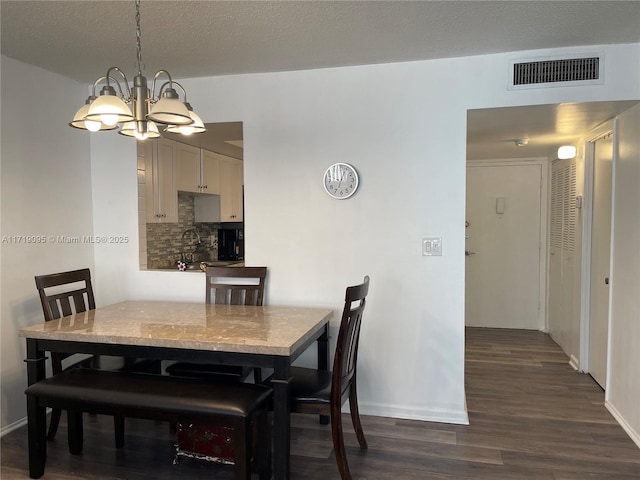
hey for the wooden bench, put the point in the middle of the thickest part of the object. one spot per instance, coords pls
(135, 395)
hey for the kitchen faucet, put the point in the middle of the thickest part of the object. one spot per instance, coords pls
(198, 244)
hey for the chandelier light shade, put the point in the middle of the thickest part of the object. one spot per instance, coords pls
(196, 127)
(109, 109)
(170, 110)
(137, 110)
(141, 132)
(80, 121)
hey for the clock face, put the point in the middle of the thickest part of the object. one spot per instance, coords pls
(341, 180)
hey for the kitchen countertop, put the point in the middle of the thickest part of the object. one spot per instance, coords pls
(195, 267)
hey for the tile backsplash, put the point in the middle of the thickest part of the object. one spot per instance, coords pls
(164, 240)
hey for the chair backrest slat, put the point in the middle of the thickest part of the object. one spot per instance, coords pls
(346, 356)
(58, 304)
(225, 286)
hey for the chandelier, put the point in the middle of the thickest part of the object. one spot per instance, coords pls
(110, 109)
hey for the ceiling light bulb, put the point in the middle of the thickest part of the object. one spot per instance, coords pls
(92, 126)
(196, 127)
(141, 135)
(142, 132)
(109, 119)
(185, 129)
(566, 151)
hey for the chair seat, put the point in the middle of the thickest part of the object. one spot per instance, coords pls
(208, 371)
(310, 385)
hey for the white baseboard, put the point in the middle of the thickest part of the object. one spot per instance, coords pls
(377, 410)
(635, 436)
(426, 415)
(13, 426)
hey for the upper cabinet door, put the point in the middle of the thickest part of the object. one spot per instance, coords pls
(231, 181)
(210, 172)
(188, 168)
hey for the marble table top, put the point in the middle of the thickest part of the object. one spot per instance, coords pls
(272, 330)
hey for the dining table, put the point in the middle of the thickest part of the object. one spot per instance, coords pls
(269, 337)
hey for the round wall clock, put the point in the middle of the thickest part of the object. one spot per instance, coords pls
(340, 180)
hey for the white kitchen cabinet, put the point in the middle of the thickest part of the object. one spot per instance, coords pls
(210, 172)
(231, 181)
(187, 168)
(197, 170)
(161, 194)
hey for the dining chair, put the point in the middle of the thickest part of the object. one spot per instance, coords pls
(322, 392)
(66, 293)
(227, 286)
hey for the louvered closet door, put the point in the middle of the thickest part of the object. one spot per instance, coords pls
(563, 312)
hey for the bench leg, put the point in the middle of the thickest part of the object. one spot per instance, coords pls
(118, 427)
(242, 450)
(37, 432)
(75, 434)
(263, 446)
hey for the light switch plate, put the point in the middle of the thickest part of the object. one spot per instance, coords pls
(432, 246)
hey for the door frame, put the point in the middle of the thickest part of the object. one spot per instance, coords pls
(543, 162)
(608, 128)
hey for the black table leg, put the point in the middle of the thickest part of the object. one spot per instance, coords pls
(281, 418)
(323, 361)
(36, 415)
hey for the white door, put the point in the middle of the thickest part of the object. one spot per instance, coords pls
(600, 258)
(503, 243)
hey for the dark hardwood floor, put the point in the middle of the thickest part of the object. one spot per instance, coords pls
(531, 415)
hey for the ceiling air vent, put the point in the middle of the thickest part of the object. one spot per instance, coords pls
(532, 73)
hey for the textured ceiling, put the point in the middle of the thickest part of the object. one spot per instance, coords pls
(81, 39)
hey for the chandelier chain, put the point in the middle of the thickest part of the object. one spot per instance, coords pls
(138, 39)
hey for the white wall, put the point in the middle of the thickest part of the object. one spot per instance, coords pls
(623, 382)
(403, 126)
(46, 191)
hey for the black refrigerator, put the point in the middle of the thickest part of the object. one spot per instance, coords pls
(230, 244)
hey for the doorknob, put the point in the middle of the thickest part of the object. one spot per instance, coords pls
(469, 252)
(606, 280)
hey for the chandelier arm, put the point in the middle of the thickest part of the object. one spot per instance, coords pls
(126, 82)
(95, 84)
(155, 77)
